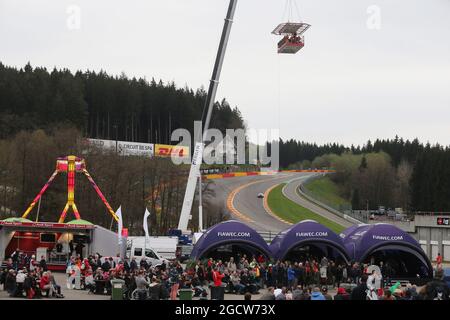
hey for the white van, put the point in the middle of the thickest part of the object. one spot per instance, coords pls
(151, 256)
(161, 248)
(135, 249)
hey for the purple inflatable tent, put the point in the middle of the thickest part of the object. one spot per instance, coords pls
(362, 241)
(226, 233)
(307, 232)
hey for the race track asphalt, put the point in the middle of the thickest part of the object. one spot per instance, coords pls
(241, 193)
(250, 208)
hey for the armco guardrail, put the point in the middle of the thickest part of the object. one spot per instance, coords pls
(347, 215)
(258, 173)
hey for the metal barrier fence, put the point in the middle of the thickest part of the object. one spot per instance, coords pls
(362, 216)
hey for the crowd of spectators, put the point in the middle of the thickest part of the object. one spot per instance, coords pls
(305, 279)
(24, 276)
(96, 274)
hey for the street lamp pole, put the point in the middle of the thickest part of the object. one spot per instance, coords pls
(117, 138)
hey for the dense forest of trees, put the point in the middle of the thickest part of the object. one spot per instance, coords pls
(43, 113)
(369, 180)
(390, 172)
(430, 181)
(297, 154)
(28, 159)
(103, 106)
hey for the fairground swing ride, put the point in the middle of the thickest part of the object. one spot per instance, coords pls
(56, 242)
(70, 165)
(292, 41)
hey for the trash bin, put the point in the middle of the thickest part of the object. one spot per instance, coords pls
(117, 288)
(185, 294)
(217, 293)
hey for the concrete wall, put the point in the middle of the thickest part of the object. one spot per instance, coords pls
(407, 226)
(432, 238)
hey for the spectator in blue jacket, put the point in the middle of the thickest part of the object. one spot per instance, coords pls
(291, 276)
(317, 295)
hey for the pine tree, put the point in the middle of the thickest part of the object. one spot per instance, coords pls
(356, 201)
(363, 164)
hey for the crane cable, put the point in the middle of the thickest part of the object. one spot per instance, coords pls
(285, 11)
(297, 11)
(291, 7)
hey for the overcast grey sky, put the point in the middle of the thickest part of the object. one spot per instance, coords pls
(350, 83)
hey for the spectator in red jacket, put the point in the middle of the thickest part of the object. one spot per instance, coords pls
(45, 284)
(439, 259)
(85, 266)
(341, 294)
(217, 277)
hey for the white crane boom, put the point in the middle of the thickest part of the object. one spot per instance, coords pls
(197, 156)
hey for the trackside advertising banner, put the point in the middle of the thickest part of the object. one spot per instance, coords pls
(124, 148)
(165, 150)
(141, 149)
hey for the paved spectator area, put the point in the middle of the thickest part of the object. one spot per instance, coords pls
(84, 295)
(68, 294)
